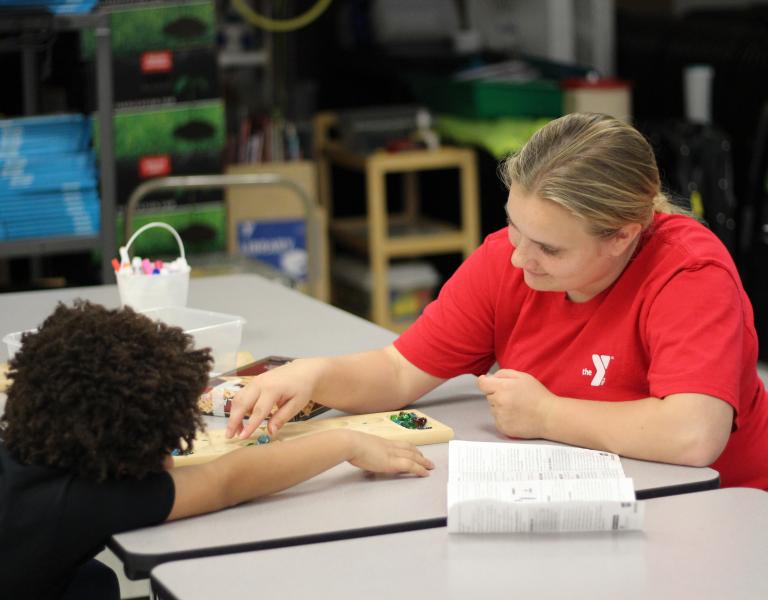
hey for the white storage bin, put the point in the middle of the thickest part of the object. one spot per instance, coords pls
(220, 332)
(13, 342)
(411, 287)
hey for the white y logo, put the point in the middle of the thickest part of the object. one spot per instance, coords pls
(601, 362)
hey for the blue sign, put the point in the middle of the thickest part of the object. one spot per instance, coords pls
(281, 244)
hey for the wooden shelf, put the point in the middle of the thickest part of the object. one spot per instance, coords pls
(445, 157)
(404, 237)
(382, 236)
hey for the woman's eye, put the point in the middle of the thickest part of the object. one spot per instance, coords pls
(549, 251)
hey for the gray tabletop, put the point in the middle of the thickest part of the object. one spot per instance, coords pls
(344, 501)
(279, 320)
(696, 546)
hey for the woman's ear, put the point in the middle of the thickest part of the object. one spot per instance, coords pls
(625, 238)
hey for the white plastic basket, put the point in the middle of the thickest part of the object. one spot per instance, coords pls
(13, 341)
(141, 291)
(220, 332)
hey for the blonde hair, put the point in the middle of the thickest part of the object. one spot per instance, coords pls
(597, 167)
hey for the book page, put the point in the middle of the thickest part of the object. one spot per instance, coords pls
(493, 516)
(508, 487)
(508, 461)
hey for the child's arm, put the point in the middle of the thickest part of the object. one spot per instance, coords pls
(260, 470)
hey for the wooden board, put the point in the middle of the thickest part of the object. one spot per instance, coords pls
(211, 444)
(4, 381)
(243, 358)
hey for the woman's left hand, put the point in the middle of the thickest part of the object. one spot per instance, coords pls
(519, 402)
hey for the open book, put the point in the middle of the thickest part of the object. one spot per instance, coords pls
(507, 487)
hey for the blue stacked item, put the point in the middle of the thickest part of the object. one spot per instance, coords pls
(47, 178)
(57, 7)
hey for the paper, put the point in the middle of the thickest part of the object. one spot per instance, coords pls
(508, 487)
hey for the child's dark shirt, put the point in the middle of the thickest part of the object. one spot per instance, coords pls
(51, 522)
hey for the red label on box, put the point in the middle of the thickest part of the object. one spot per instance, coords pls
(154, 166)
(157, 62)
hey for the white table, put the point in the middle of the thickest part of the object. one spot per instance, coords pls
(706, 545)
(342, 502)
(279, 320)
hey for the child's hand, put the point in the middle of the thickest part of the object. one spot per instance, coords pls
(373, 453)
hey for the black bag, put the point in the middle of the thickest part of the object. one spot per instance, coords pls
(696, 167)
(755, 238)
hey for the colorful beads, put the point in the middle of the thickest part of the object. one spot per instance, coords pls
(409, 420)
(262, 439)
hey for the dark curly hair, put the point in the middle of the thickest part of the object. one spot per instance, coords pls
(105, 394)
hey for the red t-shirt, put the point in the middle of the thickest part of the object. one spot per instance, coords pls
(676, 320)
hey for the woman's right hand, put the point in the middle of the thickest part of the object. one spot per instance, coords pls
(289, 388)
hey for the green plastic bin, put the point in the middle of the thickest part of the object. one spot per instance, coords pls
(491, 99)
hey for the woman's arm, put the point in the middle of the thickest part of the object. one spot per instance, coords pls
(687, 429)
(372, 381)
(256, 471)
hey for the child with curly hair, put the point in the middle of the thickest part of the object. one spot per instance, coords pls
(98, 402)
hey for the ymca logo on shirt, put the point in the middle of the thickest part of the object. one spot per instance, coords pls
(601, 362)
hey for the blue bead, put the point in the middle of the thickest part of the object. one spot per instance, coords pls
(264, 439)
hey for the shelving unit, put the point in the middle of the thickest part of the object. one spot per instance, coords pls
(12, 21)
(382, 236)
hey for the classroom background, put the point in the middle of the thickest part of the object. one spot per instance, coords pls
(349, 149)
(104, 99)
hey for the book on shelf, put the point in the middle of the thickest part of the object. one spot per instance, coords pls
(268, 139)
(506, 487)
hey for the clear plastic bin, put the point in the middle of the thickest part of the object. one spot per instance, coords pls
(13, 342)
(411, 287)
(220, 332)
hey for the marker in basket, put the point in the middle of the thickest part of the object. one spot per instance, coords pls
(139, 266)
